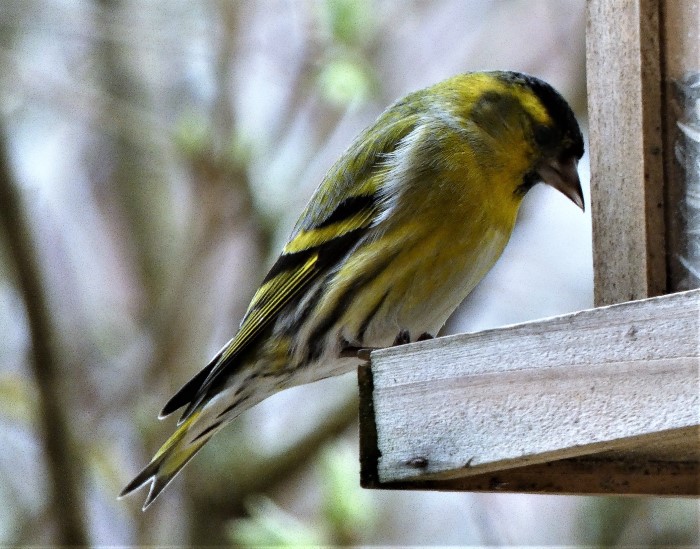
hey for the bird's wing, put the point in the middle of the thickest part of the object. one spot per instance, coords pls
(338, 214)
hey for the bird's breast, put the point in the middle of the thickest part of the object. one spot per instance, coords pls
(417, 273)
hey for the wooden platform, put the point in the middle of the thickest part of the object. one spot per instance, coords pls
(599, 401)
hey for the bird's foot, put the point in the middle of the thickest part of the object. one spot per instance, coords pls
(347, 350)
(404, 337)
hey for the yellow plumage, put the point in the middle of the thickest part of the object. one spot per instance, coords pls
(401, 229)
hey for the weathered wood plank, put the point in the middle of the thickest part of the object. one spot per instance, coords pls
(680, 54)
(627, 183)
(598, 380)
(599, 474)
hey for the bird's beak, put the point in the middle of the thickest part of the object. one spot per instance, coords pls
(563, 176)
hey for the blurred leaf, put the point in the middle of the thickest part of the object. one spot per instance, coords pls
(240, 149)
(343, 82)
(269, 525)
(17, 398)
(675, 522)
(604, 520)
(107, 465)
(350, 21)
(347, 507)
(193, 134)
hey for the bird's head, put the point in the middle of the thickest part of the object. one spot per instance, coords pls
(559, 142)
(517, 108)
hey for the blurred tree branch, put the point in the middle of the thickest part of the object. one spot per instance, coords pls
(65, 503)
(217, 503)
(133, 175)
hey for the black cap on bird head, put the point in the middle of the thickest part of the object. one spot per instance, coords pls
(561, 142)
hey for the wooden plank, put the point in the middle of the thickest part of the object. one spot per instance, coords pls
(624, 98)
(600, 380)
(680, 55)
(599, 474)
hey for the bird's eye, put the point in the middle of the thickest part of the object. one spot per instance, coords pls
(544, 135)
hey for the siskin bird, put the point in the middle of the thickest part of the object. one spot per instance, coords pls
(401, 229)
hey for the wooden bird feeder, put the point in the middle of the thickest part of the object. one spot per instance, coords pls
(604, 401)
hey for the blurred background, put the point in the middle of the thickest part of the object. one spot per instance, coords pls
(155, 155)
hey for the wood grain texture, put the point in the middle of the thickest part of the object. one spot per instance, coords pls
(627, 187)
(680, 26)
(599, 474)
(607, 379)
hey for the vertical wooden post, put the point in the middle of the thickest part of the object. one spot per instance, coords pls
(643, 59)
(624, 98)
(680, 63)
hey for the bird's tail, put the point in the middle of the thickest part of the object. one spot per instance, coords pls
(184, 443)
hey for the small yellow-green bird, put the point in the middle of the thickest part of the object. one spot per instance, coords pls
(401, 229)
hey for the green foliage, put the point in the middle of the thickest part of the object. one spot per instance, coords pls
(350, 22)
(346, 515)
(343, 81)
(16, 399)
(606, 519)
(346, 75)
(270, 525)
(618, 521)
(194, 138)
(672, 522)
(193, 134)
(347, 508)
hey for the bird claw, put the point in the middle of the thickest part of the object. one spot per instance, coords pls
(363, 354)
(352, 351)
(402, 338)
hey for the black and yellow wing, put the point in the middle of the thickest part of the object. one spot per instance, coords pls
(337, 216)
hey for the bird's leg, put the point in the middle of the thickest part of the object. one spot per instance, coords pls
(347, 350)
(404, 337)
(356, 352)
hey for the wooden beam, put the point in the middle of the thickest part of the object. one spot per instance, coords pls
(680, 56)
(590, 475)
(625, 123)
(620, 382)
